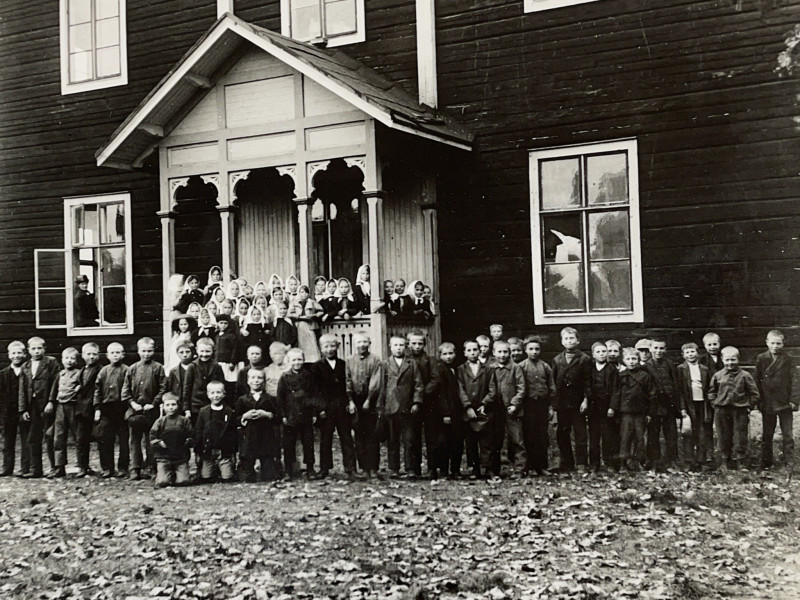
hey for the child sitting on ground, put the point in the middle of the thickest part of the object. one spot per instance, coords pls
(171, 437)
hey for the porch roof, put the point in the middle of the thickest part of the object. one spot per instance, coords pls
(207, 60)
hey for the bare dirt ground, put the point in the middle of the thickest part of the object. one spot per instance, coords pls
(590, 536)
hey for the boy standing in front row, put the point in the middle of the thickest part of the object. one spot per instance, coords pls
(84, 408)
(142, 390)
(572, 374)
(65, 401)
(637, 392)
(298, 406)
(774, 372)
(603, 430)
(473, 389)
(539, 392)
(108, 404)
(693, 380)
(734, 394)
(170, 437)
(444, 436)
(364, 373)
(665, 411)
(507, 391)
(37, 389)
(10, 379)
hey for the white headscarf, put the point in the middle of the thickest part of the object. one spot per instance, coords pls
(338, 294)
(360, 282)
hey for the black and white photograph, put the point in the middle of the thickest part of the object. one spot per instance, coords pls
(399, 299)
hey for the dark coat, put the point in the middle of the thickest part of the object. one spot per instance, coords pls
(215, 431)
(402, 387)
(331, 385)
(298, 398)
(473, 391)
(706, 360)
(176, 433)
(637, 393)
(198, 374)
(187, 298)
(573, 380)
(361, 300)
(9, 393)
(442, 399)
(604, 388)
(84, 403)
(257, 438)
(774, 381)
(685, 389)
(36, 392)
(229, 346)
(284, 332)
(666, 380)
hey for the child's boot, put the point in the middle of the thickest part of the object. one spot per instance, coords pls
(134, 475)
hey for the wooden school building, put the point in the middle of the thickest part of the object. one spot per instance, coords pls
(628, 167)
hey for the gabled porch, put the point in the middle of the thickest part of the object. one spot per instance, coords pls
(278, 157)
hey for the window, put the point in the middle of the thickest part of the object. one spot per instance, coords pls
(334, 22)
(99, 275)
(585, 234)
(538, 5)
(93, 45)
(51, 293)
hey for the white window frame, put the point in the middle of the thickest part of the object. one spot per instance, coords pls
(69, 276)
(540, 5)
(38, 288)
(360, 34)
(636, 315)
(96, 83)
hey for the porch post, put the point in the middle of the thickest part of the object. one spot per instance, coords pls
(377, 321)
(167, 269)
(306, 239)
(226, 216)
(431, 245)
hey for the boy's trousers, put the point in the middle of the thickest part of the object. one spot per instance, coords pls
(702, 433)
(785, 417)
(172, 472)
(247, 464)
(515, 442)
(141, 459)
(603, 438)
(405, 430)
(117, 431)
(13, 426)
(484, 447)
(669, 426)
(223, 465)
(632, 432)
(571, 421)
(65, 424)
(455, 445)
(40, 427)
(732, 423)
(342, 422)
(304, 431)
(367, 446)
(535, 430)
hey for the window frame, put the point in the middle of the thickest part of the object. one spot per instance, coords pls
(358, 36)
(39, 288)
(69, 276)
(540, 5)
(68, 87)
(636, 314)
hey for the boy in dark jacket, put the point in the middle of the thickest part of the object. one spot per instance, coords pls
(507, 392)
(665, 412)
(330, 378)
(215, 435)
(364, 374)
(473, 391)
(198, 374)
(142, 390)
(572, 375)
(258, 412)
(734, 394)
(774, 373)
(177, 376)
(539, 392)
(603, 430)
(65, 401)
(444, 427)
(299, 405)
(171, 437)
(108, 404)
(693, 380)
(10, 378)
(37, 390)
(402, 405)
(283, 330)
(637, 392)
(415, 341)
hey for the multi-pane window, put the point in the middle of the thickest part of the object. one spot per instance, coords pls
(93, 53)
(538, 5)
(335, 22)
(585, 225)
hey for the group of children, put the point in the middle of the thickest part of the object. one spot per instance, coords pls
(240, 315)
(612, 408)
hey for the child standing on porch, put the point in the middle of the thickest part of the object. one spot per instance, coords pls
(283, 330)
(190, 294)
(361, 290)
(306, 317)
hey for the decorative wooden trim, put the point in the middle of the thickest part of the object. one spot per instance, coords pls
(174, 186)
(213, 180)
(233, 181)
(426, 53)
(223, 7)
(360, 162)
(290, 170)
(540, 5)
(312, 169)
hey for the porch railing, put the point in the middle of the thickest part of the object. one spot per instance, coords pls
(400, 326)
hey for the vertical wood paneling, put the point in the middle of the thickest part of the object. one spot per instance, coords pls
(405, 255)
(265, 240)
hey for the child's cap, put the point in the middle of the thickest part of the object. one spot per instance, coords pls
(81, 279)
(644, 344)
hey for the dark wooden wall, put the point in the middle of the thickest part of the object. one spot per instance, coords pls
(693, 81)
